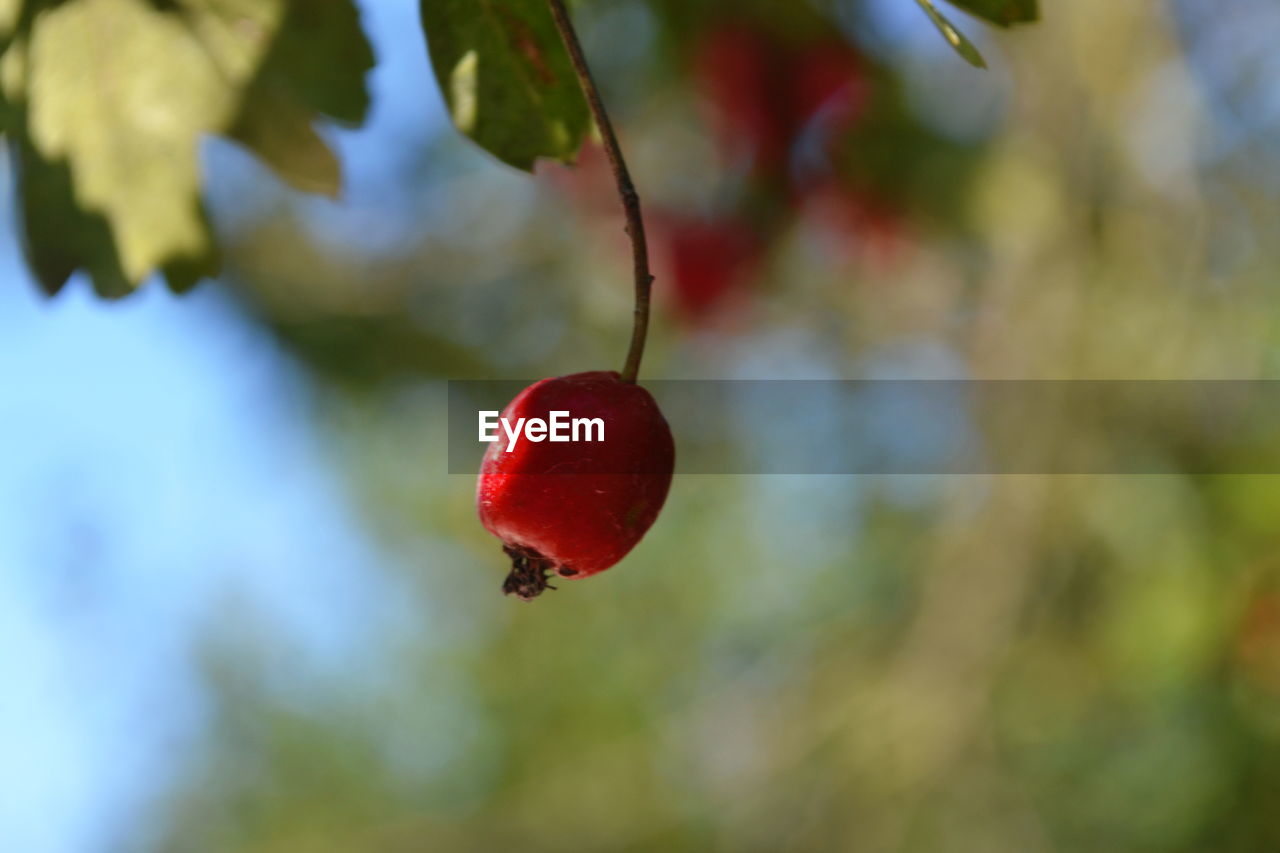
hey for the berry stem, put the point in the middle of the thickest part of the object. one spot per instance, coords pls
(626, 189)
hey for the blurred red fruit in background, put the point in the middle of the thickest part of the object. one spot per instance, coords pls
(737, 70)
(768, 96)
(1258, 643)
(779, 107)
(858, 225)
(708, 262)
(587, 182)
(829, 82)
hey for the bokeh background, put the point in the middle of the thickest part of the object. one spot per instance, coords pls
(244, 607)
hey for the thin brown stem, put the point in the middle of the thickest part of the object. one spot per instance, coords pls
(626, 189)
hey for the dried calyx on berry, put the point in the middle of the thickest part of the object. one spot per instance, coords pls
(529, 573)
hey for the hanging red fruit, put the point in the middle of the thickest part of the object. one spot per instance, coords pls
(575, 508)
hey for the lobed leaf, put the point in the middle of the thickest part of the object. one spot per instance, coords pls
(507, 78)
(105, 103)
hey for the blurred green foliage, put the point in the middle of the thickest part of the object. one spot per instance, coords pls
(105, 103)
(1022, 663)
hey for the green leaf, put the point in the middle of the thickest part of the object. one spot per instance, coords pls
(321, 57)
(122, 92)
(13, 83)
(58, 236)
(183, 272)
(317, 65)
(1003, 13)
(105, 103)
(954, 37)
(10, 11)
(279, 130)
(507, 78)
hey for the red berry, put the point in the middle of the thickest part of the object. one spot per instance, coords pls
(576, 508)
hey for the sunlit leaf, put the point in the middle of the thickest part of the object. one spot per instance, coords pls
(107, 101)
(10, 10)
(506, 77)
(954, 37)
(122, 92)
(13, 83)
